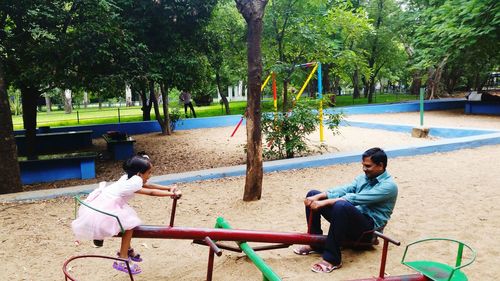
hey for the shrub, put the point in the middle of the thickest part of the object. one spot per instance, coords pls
(286, 133)
(174, 115)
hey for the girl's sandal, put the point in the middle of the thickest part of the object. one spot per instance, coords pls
(132, 255)
(122, 266)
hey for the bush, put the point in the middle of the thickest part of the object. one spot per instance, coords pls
(285, 133)
(174, 115)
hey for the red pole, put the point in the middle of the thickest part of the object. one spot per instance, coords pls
(172, 215)
(166, 232)
(213, 249)
(383, 259)
(210, 265)
(309, 221)
(411, 277)
(237, 126)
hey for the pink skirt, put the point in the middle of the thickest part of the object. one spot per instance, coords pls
(91, 224)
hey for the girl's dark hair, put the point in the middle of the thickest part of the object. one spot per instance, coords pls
(136, 164)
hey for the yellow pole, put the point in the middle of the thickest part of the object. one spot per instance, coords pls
(265, 82)
(321, 135)
(275, 98)
(307, 81)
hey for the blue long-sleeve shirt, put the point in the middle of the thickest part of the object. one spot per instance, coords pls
(375, 198)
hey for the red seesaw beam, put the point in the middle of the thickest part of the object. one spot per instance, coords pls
(191, 233)
(411, 277)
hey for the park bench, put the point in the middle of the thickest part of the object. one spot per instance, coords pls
(48, 143)
(119, 145)
(53, 167)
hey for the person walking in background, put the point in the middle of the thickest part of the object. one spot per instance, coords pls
(185, 97)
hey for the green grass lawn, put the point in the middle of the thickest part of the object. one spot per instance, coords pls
(88, 116)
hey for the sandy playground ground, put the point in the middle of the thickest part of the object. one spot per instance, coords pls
(452, 194)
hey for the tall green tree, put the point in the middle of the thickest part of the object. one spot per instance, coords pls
(381, 45)
(344, 28)
(456, 38)
(225, 40)
(42, 52)
(165, 28)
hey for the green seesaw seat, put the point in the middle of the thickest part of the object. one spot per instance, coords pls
(438, 271)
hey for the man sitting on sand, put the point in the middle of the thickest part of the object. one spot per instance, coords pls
(365, 204)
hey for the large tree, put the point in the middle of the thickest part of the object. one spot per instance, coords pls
(169, 33)
(225, 40)
(454, 40)
(253, 13)
(55, 44)
(11, 178)
(381, 45)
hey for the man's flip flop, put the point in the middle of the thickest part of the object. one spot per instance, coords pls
(324, 267)
(304, 250)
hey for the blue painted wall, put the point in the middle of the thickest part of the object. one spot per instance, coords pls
(443, 104)
(53, 170)
(480, 107)
(135, 128)
(434, 131)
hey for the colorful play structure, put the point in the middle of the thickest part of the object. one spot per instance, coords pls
(272, 76)
(212, 237)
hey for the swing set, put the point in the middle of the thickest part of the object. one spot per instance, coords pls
(315, 70)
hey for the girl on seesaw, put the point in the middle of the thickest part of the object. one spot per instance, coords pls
(113, 199)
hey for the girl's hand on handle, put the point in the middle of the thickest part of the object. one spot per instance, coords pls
(173, 187)
(177, 194)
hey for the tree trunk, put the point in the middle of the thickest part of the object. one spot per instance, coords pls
(154, 102)
(166, 118)
(222, 96)
(366, 87)
(416, 83)
(85, 99)
(146, 103)
(253, 12)
(355, 84)
(48, 104)
(371, 88)
(68, 106)
(29, 97)
(326, 78)
(336, 85)
(285, 95)
(11, 176)
(434, 80)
